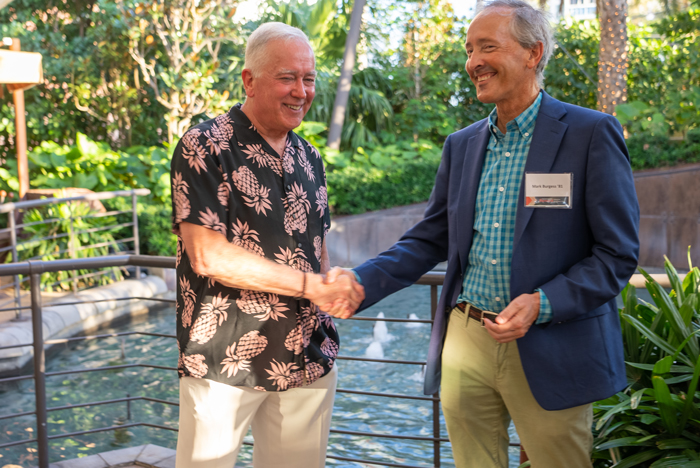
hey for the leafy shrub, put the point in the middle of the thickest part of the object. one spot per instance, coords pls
(655, 422)
(155, 234)
(354, 190)
(69, 230)
(649, 151)
(95, 166)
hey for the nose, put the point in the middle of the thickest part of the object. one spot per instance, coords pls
(473, 62)
(299, 89)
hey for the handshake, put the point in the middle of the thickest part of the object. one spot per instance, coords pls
(337, 293)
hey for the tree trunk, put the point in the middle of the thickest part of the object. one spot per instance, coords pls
(612, 65)
(341, 97)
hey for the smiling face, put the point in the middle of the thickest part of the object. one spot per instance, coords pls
(280, 94)
(501, 69)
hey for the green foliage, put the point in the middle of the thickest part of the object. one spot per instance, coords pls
(93, 165)
(68, 230)
(155, 235)
(648, 151)
(655, 422)
(353, 190)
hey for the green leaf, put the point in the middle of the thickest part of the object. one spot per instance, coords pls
(673, 444)
(667, 409)
(649, 418)
(638, 458)
(663, 366)
(688, 407)
(624, 442)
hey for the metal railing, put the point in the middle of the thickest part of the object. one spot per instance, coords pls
(34, 269)
(15, 212)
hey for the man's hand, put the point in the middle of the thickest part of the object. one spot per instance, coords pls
(516, 319)
(340, 308)
(338, 294)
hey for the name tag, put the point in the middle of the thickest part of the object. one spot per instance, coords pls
(548, 190)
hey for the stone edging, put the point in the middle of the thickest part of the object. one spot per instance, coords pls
(63, 321)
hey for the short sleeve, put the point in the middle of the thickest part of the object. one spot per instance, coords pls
(200, 191)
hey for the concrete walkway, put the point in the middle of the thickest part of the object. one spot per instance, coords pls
(149, 456)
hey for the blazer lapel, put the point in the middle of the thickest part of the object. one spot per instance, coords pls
(468, 188)
(549, 132)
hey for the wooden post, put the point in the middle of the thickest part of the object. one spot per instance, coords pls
(20, 135)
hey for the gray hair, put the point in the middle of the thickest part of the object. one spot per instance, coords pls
(255, 56)
(528, 26)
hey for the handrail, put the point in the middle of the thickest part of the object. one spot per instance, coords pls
(24, 205)
(35, 268)
(17, 245)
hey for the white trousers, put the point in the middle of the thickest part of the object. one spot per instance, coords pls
(290, 428)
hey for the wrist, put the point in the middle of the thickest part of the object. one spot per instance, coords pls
(313, 283)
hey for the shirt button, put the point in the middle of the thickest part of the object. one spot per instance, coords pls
(496, 224)
(299, 245)
(494, 261)
(289, 187)
(526, 134)
(507, 154)
(500, 189)
(497, 299)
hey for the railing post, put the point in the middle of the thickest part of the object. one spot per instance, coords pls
(71, 246)
(39, 366)
(135, 219)
(436, 401)
(15, 259)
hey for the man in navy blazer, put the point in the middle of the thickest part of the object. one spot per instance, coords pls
(555, 346)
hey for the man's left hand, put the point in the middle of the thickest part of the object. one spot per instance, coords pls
(516, 319)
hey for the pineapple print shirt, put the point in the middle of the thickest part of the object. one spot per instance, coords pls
(226, 177)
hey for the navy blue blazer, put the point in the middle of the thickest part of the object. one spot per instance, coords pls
(581, 257)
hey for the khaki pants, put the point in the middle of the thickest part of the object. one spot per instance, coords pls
(290, 428)
(483, 386)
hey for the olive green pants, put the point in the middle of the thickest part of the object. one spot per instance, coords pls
(484, 386)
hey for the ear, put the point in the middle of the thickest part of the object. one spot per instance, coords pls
(535, 55)
(247, 77)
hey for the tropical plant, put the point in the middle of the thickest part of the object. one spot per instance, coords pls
(177, 45)
(95, 166)
(655, 422)
(69, 230)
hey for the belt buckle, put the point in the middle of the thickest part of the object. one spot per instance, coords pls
(492, 317)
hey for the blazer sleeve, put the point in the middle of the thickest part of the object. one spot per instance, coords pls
(612, 211)
(418, 250)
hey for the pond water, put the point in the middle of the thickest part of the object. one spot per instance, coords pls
(351, 412)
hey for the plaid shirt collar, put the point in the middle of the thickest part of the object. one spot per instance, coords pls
(524, 123)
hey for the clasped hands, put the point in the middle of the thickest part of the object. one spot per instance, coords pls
(337, 293)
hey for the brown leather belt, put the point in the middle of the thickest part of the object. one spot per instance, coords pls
(476, 313)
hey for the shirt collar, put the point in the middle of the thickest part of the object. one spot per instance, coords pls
(247, 134)
(524, 123)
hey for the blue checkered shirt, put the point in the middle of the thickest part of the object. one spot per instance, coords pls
(487, 277)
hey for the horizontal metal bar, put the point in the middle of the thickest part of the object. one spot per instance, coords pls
(432, 278)
(388, 395)
(102, 228)
(374, 462)
(110, 402)
(12, 309)
(102, 215)
(108, 335)
(17, 378)
(385, 361)
(18, 415)
(102, 244)
(43, 221)
(19, 442)
(389, 436)
(21, 245)
(104, 429)
(16, 346)
(380, 319)
(96, 369)
(25, 205)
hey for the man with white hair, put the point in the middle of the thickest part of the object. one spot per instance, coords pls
(534, 209)
(251, 214)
